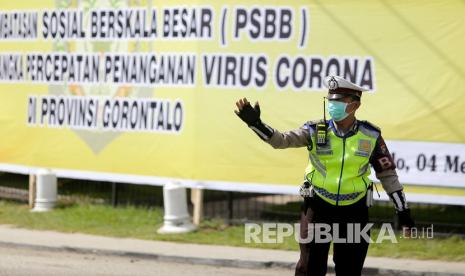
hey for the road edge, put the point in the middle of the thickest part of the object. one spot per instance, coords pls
(208, 261)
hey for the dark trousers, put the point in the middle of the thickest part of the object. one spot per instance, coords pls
(348, 257)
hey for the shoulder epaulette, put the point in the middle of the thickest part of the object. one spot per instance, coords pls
(371, 126)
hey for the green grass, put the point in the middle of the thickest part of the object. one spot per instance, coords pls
(142, 223)
(448, 249)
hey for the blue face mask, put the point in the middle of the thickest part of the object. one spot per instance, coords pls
(337, 110)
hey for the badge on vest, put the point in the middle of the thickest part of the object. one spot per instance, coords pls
(364, 148)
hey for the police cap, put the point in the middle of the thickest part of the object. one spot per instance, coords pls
(339, 87)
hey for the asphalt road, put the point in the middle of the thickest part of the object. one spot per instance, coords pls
(24, 261)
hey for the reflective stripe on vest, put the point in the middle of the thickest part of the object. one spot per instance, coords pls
(339, 170)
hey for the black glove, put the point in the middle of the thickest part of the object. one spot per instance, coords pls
(405, 219)
(250, 115)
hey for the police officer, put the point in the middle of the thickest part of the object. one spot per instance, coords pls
(336, 188)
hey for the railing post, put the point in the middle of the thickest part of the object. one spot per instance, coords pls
(197, 202)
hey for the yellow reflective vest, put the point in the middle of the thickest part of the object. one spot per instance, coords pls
(339, 170)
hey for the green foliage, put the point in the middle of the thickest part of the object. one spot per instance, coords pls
(142, 223)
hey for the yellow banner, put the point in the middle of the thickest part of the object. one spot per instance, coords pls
(106, 89)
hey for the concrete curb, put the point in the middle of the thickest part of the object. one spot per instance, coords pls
(210, 261)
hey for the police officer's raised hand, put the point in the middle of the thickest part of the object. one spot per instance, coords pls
(250, 115)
